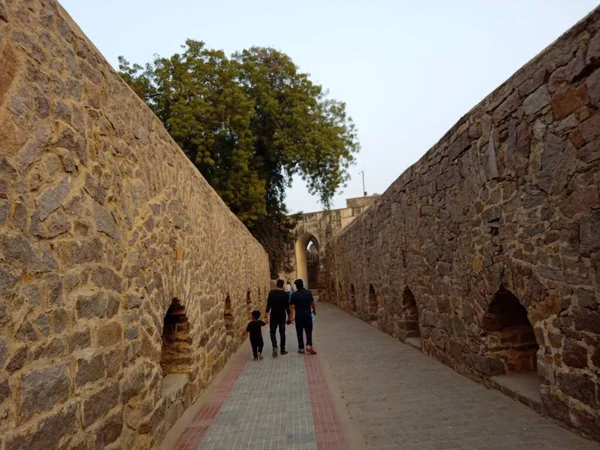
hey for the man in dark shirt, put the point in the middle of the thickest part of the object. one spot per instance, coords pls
(278, 304)
(302, 306)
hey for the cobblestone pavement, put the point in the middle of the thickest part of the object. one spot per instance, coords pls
(402, 399)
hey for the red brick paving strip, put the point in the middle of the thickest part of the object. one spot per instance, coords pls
(192, 436)
(328, 430)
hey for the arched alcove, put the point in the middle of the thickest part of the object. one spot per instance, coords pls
(410, 314)
(228, 316)
(373, 304)
(175, 355)
(509, 335)
(352, 298)
(249, 302)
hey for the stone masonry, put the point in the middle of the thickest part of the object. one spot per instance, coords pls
(125, 281)
(488, 248)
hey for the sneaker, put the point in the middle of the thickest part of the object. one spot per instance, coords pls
(311, 351)
(260, 356)
(301, 350)
(275, 352)
(283, 352)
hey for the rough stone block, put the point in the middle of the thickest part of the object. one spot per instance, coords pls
(48, 433)
(109, 431)
(109, 334)
(89, 370)
(42, 389)
(100, 404)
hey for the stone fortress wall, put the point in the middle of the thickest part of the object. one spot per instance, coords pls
(125, 281)
(486, 252)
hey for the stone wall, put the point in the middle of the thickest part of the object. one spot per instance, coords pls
(105, 226)
(495, 231)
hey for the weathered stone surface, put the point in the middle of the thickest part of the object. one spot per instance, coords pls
(89, 370)
(109, 431)
(4, 391)
(48, 433)
(42, 389)
(3, 352)
(17, 248)
(79, 340)
(589, 232)
(109, 334)
(106, 278)
(569, 100)
(7, 279)
(53, 197)
(574, 354)
(536, 101)
(93, 305)
(486, 365)
(100, 404)
(593, 52)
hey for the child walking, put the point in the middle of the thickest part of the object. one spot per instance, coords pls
(255, 329)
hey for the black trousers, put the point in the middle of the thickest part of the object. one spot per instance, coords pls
(273, 324)
(257, 346)
(304, 325)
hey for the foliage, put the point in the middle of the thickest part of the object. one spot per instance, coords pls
(249, 123)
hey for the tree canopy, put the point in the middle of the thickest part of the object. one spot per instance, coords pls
(250, 122)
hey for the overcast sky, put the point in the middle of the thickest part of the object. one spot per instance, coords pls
(407, 70)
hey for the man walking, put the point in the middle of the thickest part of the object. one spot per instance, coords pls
(278, 304)
(302, 305)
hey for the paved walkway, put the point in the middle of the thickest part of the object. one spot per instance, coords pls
(363, 390)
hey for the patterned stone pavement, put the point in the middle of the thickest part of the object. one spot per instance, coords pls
(391, 395)
(402, 399)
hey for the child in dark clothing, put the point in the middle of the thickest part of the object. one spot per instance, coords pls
(255, 329)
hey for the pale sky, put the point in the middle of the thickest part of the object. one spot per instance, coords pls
(407, 70)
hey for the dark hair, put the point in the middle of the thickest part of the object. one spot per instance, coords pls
(299, 284)
(256, 314)
(279, 283)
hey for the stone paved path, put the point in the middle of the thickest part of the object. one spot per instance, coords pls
(401, 398)
(388, 396)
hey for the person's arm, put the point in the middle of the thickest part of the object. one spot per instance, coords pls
(245, 331)
(269, 304)
(312, 305)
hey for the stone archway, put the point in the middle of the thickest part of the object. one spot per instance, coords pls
(175, 357)
(307, 252)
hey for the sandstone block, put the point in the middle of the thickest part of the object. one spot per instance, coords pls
(485, 364)
(92, 305)
(51, 199)
(48, 433)
(574, 354)
(536, 101)
(589, 233)
(79, 340)
(106, 278)
(7, 279)
(568, 100)
(587, 320)
(42, 389)
(109, 431)
(581, 387)
(109, 334)
(593, 52)
(89, 370)
(100, 404)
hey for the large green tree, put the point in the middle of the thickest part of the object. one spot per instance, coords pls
(250, 122)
